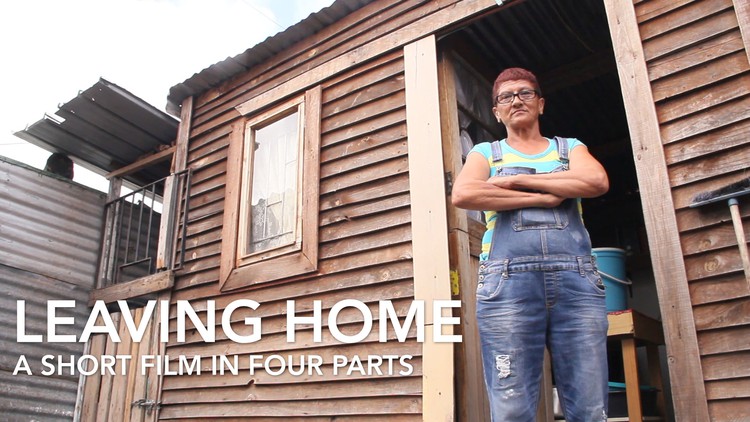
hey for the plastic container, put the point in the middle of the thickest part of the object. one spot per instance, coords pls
(611, 264)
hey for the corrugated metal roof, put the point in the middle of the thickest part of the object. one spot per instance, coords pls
(104, 128)
(217, 73)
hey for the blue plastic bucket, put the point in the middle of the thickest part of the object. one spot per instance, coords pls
(611, 264)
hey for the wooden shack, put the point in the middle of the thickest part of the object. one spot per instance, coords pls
(378, 101)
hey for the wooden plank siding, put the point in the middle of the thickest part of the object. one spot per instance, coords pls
(364, 247)
(700, 78)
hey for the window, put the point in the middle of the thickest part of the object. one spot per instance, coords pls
(271, 210)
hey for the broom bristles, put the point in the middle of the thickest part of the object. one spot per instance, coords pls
(737, 188)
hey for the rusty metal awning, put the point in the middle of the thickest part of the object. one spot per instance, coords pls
(105, 128)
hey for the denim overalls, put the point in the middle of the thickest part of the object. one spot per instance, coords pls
(539, 286)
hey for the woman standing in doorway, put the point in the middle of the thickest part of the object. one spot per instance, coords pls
(538, 284)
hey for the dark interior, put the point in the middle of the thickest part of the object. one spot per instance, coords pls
(567, 44)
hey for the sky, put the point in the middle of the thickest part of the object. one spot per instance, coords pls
(52, 49)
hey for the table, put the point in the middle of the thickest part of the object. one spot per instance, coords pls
(630, 327)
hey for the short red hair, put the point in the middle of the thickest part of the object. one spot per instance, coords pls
(515, 74)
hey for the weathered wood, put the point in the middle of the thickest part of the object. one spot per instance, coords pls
(683, 195)
(233, 188)
(142, 163)
(93, 382)
(368, 241)
(684, 16)
(698, 55)
(710, 239)
(647, 10)
(724, 341)
(204, 225)
(209, 185)
(205, 279)
(142, 286)
(378, 107)
(377, 189)
(327, 283)
(718, 289)
(355, 211)
(409, 386)
(364, 128)
(262, 377)
(429, 218)
(197, 142)
(688, 390)
(385, 69)
(363, 144)
(198, 213)
(714, 263)
(727, 366)
(687, 36)
(355, 162)
(394, 253)
(203, 251)
(729, 410)
(380, 406)
(703, 100)
(735, 313)
(358, 418)
(210, 197)
(360, 93)
(213, 153)
(105, 391)
(365, 175)
(728, 389)
(700, 77)
(359, 226)
(374, 48)
(202, 175)
(179, 160)
(723, 162)
(742, 9)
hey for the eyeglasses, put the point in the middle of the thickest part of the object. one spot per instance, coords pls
(524, 95)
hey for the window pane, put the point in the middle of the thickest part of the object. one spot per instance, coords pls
(273, 212)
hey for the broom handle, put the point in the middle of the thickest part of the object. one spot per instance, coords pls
(739, 231)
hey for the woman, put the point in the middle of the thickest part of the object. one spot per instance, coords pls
(538, 285)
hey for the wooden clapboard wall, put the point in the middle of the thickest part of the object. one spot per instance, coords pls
(700, 79)
(365, 237)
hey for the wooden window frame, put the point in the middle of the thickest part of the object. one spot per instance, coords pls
(237, 271)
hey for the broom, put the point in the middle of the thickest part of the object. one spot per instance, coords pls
(730, 193)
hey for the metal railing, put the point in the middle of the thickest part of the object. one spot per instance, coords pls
(141, 230)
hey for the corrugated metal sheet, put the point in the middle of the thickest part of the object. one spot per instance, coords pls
(217, 73)
(105, 128)
(49, 245)
(48, 225)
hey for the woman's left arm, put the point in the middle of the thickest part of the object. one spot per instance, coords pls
(586, 178)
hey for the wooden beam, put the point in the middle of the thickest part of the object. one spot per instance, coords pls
(742, 9)
(179, 162)
(142, 163)
(139, 287)
(688, 388)
(439, 20)
(429, 220)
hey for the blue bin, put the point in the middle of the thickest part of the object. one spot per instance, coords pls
(611, 264)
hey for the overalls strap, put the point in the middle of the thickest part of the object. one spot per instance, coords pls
(497, 152)
(562, 151)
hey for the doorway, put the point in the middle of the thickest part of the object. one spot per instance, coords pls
(567, 44)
